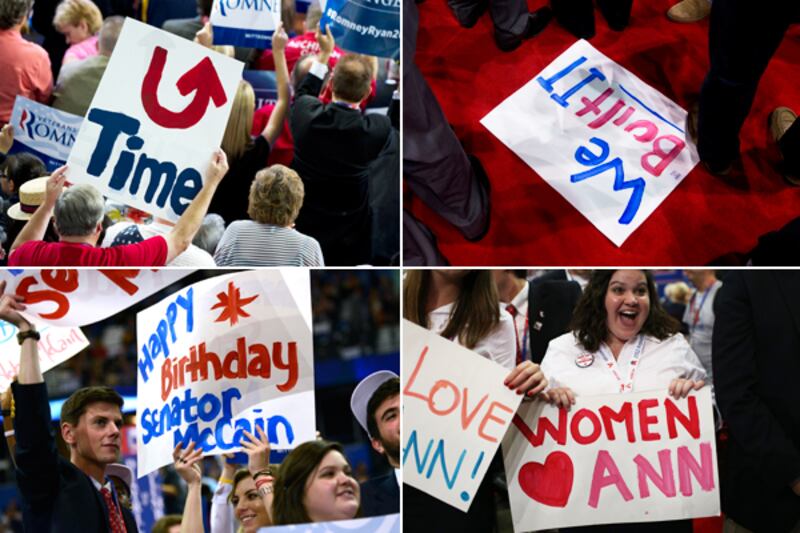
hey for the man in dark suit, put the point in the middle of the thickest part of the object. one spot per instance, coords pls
(756, 360)
(63, 496)
(375, 403)
(334, 147)
(552, 300)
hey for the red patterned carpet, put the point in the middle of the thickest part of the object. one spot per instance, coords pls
(532, 224)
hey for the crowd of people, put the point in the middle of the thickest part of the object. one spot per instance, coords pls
(570, 333)
(320, 483)
(309, 180)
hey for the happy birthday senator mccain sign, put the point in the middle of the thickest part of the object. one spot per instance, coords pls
(616, 458)
(155, 121)
(610, 144)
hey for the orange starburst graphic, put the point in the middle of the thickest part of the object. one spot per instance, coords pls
(232, 304)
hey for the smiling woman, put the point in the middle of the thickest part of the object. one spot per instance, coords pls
(315, 484)
(621, 341)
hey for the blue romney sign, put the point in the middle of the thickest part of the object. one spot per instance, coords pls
(365, 26)
(247, 23)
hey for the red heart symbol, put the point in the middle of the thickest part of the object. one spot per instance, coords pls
(549, 483)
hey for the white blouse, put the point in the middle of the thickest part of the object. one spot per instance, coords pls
(499, 346)
(568, 364)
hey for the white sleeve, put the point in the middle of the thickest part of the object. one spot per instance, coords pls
(503, 343)
(550, 366)
(692, 367)
(221, 510)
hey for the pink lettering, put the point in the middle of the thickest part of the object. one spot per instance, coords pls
(600, 480)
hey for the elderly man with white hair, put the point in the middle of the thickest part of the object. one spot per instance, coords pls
(78, 220)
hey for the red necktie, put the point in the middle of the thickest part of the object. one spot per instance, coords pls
(513, 310)
(115, 522)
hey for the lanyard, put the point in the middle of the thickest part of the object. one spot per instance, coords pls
(611, 364)
(697, 312)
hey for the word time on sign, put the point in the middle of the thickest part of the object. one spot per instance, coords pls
(613, 146)
(156, 118)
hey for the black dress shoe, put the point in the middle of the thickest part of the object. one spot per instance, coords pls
(576, 16)
(616, 12)
(468, 16)
(537, 21)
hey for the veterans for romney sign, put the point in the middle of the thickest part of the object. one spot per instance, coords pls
(72, 297)
(365, 26)
(248, 23)
(379, 524)
(154, 123)
(56, 345)
(43, 131)
(613, 146)
(617, 458)
(214, 349)
(455, 413)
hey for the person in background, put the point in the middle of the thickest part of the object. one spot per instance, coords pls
(79, 21)
(25, 66)
(375, 403)
(699, 315)
(315, 484)
(756, 357)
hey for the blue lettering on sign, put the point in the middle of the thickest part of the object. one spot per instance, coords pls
(599, 165)
(246, 5)
(38, 128)
(222, 431)
(437, 461)
(167, 333)
(178, 188)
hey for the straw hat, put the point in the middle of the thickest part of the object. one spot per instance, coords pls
(31, 196)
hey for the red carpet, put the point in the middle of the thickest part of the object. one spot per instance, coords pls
(532, 224)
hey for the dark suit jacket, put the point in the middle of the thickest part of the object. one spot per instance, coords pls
(380, 496)
(756, 361)
(333, 149)
(550, 306)
(57, 496)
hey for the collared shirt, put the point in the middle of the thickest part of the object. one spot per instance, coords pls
(583, 282)
(520, 303)
(699, 316)
(26, 72)
(499, 346)
(659, 363)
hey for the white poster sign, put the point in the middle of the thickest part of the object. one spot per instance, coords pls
(248, 23)
(211, 351)
(456, 410)
(389, 523)
(617, 458)
(56, 345)
(73, 297)
(156, 118)
(610, 144)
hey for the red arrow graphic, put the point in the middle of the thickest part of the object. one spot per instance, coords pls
(202, 78)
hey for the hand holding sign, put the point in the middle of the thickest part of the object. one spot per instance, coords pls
(326, 44)
(186, 463)
(6, 138)
(279, 39)
(527, 378)
(680, 388)
(10, 307)
(55, 184)
(257, 450)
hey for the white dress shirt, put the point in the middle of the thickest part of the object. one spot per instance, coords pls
(658, 364)
(499, 346)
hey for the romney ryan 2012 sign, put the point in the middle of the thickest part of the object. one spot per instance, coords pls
(616, 458)
(155, 121)
(613, 146)
(247, 23)
(369, 27)
(43, 131)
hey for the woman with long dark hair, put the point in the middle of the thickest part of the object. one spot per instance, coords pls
(622, 341)
(463, 306)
